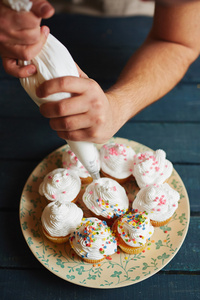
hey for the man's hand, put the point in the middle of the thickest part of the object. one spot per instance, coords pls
(86, 116)
(21, 36)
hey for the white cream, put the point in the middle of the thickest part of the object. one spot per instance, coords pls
(93, 240)
(135, 229)
(159, 201)
(151, 167)
(19, 5)
(54, 60)
(60, 185)
(117, 160)
(71, 162)
(61, 219)
(106, 197)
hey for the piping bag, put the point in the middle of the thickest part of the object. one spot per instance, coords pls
(53, 61)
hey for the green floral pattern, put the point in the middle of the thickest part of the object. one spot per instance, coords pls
(118, 270)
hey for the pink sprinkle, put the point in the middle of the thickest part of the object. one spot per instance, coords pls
(57, 180)
(157, 169)
(114, 188)
(92, 207)
(174, 205)
(158, 209)
(50, 177)
(53, 196)
(131, 170)
(64, 192)
(90, 192)
(67, 174)
(76, 158)
(161, 174)
(106, 157)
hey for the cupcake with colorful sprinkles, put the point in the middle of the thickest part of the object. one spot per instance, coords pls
(93, 240)
(132, 231)
(60, 185)
(71, 162)
(106, 199)
(151, 167)
(117, 161)
(160, 201)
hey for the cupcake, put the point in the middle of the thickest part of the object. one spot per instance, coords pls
(60, 185)
(132, 231)
(159, 201)
(59, 220)
(106, 198)
(93, 240)
(71, 162)
(151, 167)
(117, 161)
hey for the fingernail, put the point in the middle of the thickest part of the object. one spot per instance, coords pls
(31, 70)
(45, 8)
(45, 30)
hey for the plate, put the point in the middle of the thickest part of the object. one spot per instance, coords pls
(115, 271)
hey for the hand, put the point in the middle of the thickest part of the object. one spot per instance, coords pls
(86, 116)
(21, 36)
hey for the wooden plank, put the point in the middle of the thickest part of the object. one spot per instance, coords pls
(13, 180)
(41, 284)
(33, 139)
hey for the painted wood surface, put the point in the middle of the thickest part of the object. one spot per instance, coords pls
(101, 46)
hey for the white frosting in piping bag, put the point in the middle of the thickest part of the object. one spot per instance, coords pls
(19, 5)
(70, 162)
(53, 61)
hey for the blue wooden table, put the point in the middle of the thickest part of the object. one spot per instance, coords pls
(101, 46)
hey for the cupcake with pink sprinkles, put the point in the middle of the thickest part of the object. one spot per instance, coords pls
(60, 185)
(151, 168)
(117, 161)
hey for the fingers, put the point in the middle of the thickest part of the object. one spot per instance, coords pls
(71, 123)
(12, 68)
(69, 107)
(42, 9)
(25, 52)
(69, 84)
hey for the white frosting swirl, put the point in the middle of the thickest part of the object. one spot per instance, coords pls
(135, 229)
(151, 167)
(106, 197)
(117, 160)
(159, 201)
(60, 185)
(93, 239)
(61, 219)
(71, 162)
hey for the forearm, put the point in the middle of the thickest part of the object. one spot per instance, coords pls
(160, 63)
(149, 74)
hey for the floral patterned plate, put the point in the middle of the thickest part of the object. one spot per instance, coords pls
(118, 270)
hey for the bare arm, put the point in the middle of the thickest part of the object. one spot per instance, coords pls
(172, 45)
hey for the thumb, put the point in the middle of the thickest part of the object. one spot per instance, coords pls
(42, 9)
